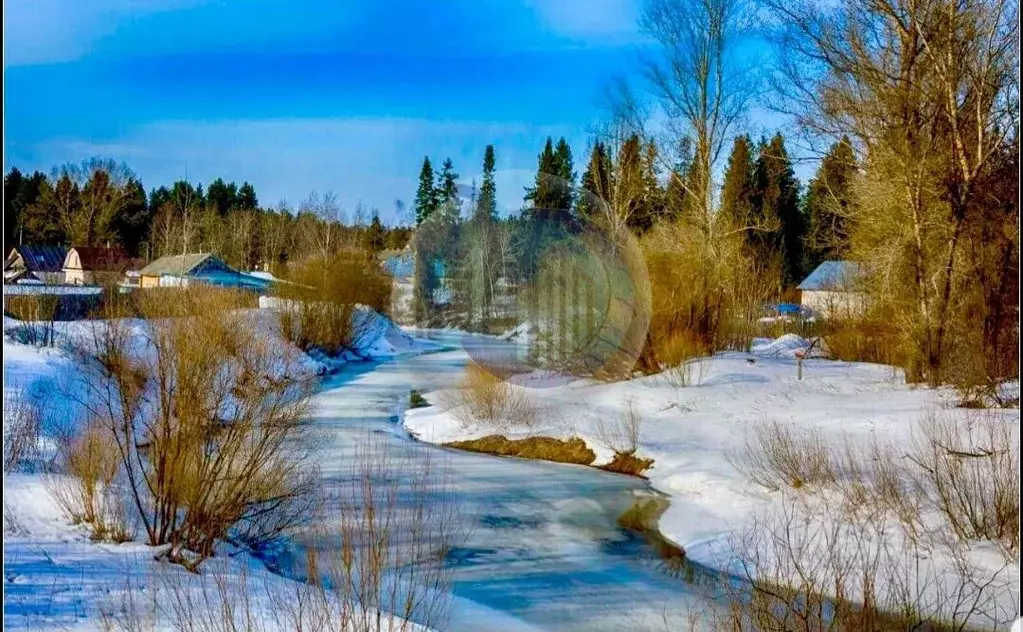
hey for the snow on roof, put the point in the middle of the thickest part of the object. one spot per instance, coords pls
(832, 275)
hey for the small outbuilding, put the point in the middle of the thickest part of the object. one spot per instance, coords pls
(35, 264)
(833, 290)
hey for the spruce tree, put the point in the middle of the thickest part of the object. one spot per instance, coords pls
(652, 204)
(595, 185)
(739, 188)
(426, 195)
(447, 184)
(777, 195)
(829, 204)
(375, 235)
(487, 201)
(565, 171)
(247, 196)
(541, 194)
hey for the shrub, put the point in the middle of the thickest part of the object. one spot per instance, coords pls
(870, 339)
(777, 458)
(320, 296)
(21, 427)
(207, 418)
(37, 313)
(482, 397)
(620, 435)
(970, 469)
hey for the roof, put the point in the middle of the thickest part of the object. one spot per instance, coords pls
(42, 258)
(832, 275)
(103, 259)
(175, 264)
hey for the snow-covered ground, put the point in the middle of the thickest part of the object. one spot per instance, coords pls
(690, 432)
(54, 576)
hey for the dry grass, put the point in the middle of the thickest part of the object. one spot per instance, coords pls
(85, 490)
(484, 398)
(680, 355)
(777, 457)
(572, 450)
(628, 463)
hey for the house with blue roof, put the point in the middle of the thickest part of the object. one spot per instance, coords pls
(203, 268)
(834, 290)
(35, 264)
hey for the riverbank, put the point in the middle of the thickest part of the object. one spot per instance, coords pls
(695, 434)
(56, 575)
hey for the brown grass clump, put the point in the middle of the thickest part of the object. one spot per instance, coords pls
(628, 463)
(680, 357)
(484, 397)
(573, 450)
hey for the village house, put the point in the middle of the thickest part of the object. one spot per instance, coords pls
(92, 265)
(832, 290)
(201, 267)
(35, 264)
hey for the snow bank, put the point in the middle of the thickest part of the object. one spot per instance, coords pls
(691, 432)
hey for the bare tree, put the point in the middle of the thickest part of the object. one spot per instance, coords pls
(326, 231)
(926, 90)
(700, 83)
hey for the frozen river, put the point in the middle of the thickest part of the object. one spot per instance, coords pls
(543, 549)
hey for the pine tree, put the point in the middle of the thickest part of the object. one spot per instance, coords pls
(829, 204)
(426, 195)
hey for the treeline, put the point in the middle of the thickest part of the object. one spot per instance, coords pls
(103, 203)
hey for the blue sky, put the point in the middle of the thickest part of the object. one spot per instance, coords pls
(306, 95)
